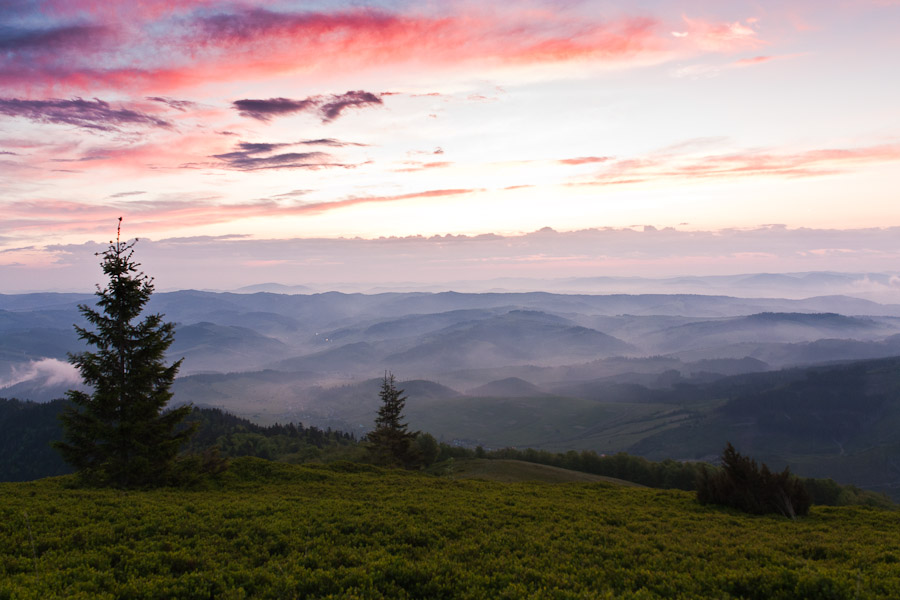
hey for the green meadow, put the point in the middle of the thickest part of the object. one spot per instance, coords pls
(274, 530)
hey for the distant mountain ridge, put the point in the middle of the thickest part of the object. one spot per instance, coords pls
(879, 287)
(274, 288)
(452, 336)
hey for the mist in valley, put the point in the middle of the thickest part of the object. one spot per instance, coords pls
(654, 374)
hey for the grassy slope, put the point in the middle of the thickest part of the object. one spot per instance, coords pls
(547, 422)
(270, 530)
(509, 471)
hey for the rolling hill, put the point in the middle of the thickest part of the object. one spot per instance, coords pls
(513, 471)
(207, 346)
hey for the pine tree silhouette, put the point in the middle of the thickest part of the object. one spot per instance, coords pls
(120, 434)
(390, 441)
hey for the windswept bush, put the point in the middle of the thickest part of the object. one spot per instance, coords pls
(744, 485)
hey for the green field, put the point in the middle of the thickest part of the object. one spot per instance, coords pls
(271, 530)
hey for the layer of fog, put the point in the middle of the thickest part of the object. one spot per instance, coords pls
(306, 343)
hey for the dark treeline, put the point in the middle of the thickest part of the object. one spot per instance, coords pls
(669, 474)
(27, 429)
(291, 442)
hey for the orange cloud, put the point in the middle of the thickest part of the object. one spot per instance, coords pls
(584, 160)
(753, 61)
(811, 163)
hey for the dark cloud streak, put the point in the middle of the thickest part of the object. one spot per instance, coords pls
(259, 147)
(252, 24)
(255, 156)
(93, 115)
(328, 108)
(353, 99)
(292, 160)
(264, 110)
(41, 40)
(180, 105)
(330, 142)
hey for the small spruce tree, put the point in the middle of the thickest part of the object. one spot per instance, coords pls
(120, 435)
(390, 441)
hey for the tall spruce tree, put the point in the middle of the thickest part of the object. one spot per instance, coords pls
(120, 435)
(390, 441)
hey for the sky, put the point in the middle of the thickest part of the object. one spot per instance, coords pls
(325, 141)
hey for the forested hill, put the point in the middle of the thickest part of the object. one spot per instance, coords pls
(28, 428)
(26, 431)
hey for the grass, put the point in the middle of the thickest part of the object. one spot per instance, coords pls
(271, 530)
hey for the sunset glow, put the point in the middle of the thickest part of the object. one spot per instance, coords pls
(251, 122)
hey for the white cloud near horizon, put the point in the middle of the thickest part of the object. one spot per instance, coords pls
(230, 262)
(47, 371)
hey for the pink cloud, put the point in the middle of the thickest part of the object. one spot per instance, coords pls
(53, 216)
(810, 163)
(321, 207)
(260, 40)
(417, 166)
(164, 149)
(720, 37)
(159, 47)
(66, 79)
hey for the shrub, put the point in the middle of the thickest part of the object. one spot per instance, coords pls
(744, 485)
